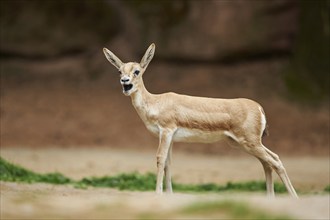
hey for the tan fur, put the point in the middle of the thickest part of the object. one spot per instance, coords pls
(174, 117)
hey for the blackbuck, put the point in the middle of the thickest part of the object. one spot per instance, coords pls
(181, 118)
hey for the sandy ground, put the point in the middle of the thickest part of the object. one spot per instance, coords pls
(309, 174)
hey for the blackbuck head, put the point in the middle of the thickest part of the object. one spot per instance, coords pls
(131, 72)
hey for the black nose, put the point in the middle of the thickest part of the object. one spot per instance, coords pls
(124, 80)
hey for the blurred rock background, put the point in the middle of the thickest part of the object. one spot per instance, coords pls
(57, 88)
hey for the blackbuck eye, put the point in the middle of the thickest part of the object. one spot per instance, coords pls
(136, 72)
(119, 72)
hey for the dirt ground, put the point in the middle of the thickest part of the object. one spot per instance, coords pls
(308, 174)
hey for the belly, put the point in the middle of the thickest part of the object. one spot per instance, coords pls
(197, 136)
(191, 135)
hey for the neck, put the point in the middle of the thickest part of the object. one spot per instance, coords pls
(138, 97)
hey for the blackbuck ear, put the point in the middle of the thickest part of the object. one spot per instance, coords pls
(149, 54)
(113, 59)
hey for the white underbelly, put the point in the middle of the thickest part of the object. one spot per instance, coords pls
(192, 135)
(197, 136)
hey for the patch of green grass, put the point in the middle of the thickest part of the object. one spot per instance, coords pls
(236, 210)
(130, 181)
(250, 186)
(327, 189)
(147, 182)
(15, 173)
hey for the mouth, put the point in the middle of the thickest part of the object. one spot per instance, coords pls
(127, 87)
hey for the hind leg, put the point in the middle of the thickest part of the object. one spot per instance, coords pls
(267, 168)
(270, 159)
(281, 171)
(269, 179)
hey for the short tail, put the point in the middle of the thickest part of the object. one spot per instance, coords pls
(266, 131)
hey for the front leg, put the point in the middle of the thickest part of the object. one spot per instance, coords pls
(168, 181)
(165, 141)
